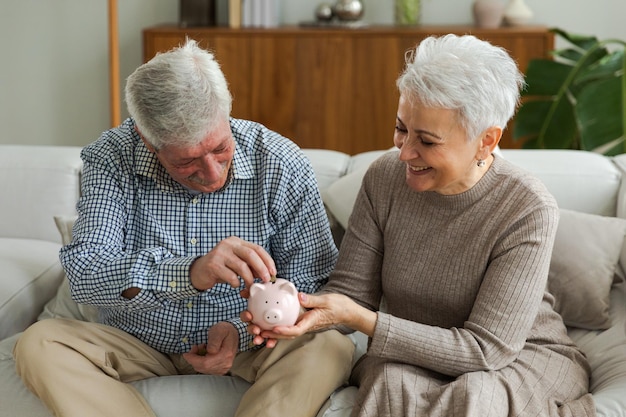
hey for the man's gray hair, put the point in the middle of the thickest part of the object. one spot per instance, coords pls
(179, 96)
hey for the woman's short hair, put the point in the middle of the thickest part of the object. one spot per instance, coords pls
(463, 73)
(179, 96)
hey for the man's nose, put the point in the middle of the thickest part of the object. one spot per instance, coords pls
(210, 166)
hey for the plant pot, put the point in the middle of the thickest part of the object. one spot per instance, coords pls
(517, 13)
(407, 12)
(488, 13)
(348, 10)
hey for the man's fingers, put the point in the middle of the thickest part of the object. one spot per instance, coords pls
(258, 262)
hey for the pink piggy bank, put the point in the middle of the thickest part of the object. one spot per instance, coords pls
(274, 304)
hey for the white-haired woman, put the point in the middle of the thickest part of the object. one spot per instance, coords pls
(457, 241)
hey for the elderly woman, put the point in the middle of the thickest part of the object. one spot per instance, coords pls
(455, 242)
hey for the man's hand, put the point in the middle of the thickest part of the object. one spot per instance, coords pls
(230, 259)
(216, 358)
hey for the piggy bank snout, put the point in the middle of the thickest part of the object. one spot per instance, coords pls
(273, 315)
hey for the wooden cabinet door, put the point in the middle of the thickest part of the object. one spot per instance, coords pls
(329, 88)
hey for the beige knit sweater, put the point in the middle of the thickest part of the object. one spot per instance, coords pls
(463, 276)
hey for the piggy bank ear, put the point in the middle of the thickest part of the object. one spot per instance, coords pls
(256, 288)
(289, 288)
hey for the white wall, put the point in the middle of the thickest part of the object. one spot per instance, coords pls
(54, 66)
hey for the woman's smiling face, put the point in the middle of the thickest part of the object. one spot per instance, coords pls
(434, 146)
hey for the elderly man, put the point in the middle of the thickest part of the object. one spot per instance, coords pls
(182, 207)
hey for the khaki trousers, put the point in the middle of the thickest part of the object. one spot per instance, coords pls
(81, 369)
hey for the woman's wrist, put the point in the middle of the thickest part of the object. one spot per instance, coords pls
(362, 319)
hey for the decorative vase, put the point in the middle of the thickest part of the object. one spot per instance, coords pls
(324, 12)
(348, 10)
(407, 12)
(517, 13)
(488, 13)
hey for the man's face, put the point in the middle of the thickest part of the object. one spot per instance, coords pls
(203, 167)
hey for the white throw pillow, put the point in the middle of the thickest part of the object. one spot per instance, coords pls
(339, 197)
(584, 261)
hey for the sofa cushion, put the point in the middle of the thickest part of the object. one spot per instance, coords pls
(579, 180)
(195, 395)
(328, 165)
(606, 354)
(30, 273)
(339, 197)
(584, 261)
(15, 398)
(38, 182)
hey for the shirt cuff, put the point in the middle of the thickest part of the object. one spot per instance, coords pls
(245, 338)
(175, 282)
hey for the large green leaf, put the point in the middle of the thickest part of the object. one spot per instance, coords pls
(600, 113)
(528, 120)
(545, 77)
(569, 55)
(546, 124)
(581, 57)
(577, 100)
(584, 42)
(609, 66)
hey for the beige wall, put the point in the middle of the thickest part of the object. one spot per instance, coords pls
(54, 66)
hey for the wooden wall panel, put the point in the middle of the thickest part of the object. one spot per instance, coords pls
(274, 89)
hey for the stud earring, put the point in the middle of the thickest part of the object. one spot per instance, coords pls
(481, 163)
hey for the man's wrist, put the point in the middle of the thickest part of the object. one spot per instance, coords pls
(191, 265)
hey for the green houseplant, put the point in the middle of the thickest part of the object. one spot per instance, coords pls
(576, 100)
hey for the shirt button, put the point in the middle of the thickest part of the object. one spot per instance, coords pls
(193, 240)
(190, 305)
(195, 200)
(172, 284)
(185, 339)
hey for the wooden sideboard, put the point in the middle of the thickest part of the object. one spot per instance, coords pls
(331, 88)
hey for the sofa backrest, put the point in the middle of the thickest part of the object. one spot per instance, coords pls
(579, 180)
(37, 183)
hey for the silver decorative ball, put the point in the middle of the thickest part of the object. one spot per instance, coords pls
(348, 10)
(324, 12)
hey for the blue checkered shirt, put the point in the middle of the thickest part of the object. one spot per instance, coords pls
(137, 227)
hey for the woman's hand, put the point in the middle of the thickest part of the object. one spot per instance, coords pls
(323, 311)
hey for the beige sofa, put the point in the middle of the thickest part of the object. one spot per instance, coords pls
(41, 184)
